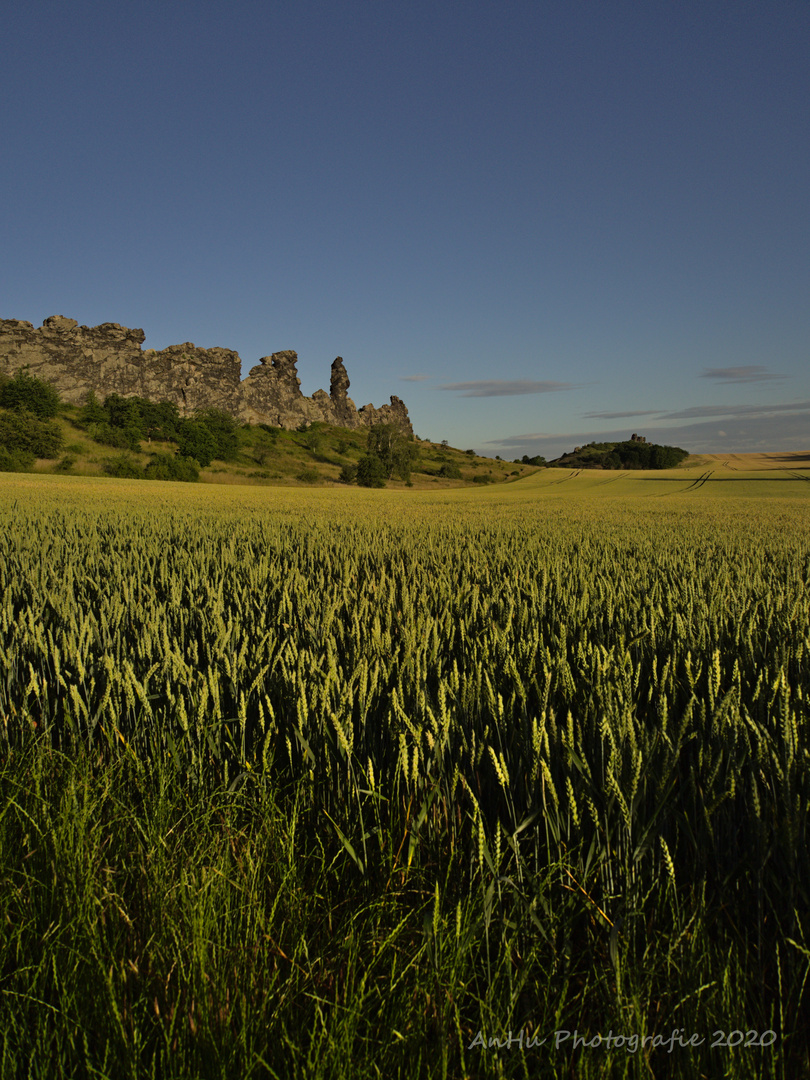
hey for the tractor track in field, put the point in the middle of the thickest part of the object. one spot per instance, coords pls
(576, 472)
(697, 483)
(701, 480)
(610, 480)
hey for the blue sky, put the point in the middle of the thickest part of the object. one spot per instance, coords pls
(539, 223)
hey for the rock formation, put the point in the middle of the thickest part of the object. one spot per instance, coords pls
(109, 359)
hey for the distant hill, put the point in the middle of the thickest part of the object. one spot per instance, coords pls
(635, 453)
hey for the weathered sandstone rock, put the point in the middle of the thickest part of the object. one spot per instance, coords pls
(109, 359)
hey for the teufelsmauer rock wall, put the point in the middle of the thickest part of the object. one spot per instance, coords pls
(109, 359)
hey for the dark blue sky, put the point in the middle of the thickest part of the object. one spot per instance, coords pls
(538, 223)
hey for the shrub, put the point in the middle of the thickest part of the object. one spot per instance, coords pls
(482, 478)
(260, 453)
(24, 393)
(66, 463)
(309, 476)
(171, 467)
(313, 439)
(24, 433)
(259, 443)
(123, 467)
(348, 474)
(120, 438)
(449, 471)
(15, 460)
(371, 472)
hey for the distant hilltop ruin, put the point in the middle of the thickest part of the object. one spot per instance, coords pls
(108, 359)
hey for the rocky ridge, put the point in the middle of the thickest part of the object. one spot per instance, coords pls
(109, 359)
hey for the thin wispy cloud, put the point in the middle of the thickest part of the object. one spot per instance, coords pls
(415, 378)
(538, 439)
(505, 387)
(744, 374)
(619, 415)
(697, 411)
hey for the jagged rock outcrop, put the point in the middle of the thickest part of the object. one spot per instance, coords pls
(109, 359)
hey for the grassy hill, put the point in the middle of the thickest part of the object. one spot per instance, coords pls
(274, 456)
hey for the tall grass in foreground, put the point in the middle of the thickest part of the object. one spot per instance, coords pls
(329, 794)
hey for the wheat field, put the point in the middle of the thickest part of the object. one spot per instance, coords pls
(340, 782)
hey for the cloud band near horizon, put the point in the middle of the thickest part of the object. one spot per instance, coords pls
(505, 387)
(743, 374)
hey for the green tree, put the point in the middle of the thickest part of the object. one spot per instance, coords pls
(667, 457)
(159, 420)
(124, 412)
(23, 433)
(25, 393)
(196, 441)
(638, 455)
(92, 412)
(224, 431)
(127, 438)
(371, 472)
(395, 449)
(314, 440)
(124, 427)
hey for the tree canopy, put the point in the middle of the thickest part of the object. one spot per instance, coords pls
(394, 448)
(25, 393)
